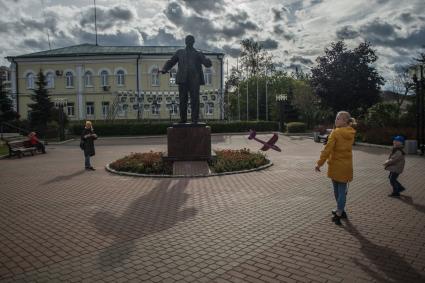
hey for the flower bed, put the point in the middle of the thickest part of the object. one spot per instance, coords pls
(229, 160)
(143, 163)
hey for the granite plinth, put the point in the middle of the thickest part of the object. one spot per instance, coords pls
(189, 142)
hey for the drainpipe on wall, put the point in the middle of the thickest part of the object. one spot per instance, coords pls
(221, 88)
(138, 87)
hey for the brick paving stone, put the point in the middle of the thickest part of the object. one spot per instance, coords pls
(65, 224)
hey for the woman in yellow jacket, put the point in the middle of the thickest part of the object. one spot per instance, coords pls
(338, 152)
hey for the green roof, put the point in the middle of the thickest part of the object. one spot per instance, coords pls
(96, 50)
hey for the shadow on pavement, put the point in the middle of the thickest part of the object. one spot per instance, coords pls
(386, 260)
(408, 200)
(64, 177)
(158, 210)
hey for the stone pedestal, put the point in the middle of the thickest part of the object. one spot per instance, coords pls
(189, 142)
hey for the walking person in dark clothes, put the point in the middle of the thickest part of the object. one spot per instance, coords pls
(87, 144)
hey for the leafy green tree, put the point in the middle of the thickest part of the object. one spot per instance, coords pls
(41, 109)
(346, 79)
(254, 58)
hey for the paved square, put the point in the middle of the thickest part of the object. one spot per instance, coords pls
(61, 223)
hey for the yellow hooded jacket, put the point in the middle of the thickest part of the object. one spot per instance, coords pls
(338, 152)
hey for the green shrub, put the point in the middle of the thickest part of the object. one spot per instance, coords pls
(235, 160)
(296, 127)
(160, 128)
(384, 136)
(143, 163)
(383, 115)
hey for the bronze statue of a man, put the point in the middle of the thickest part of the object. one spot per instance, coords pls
(189, 77)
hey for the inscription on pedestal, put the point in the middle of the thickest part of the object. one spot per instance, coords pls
(189, 142)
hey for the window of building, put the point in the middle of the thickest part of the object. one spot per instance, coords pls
(213, 97)
(155, 109)
(173, 108)
(50, 80)
(208, 76)
(69, 79)
(173, 76)
(90, 108)
(104, 78)
(70, 109)
(209, 110)
(155, 76)
(30, 81)
(205, 98)
(88, 79)
(105, 108)
(120, 78)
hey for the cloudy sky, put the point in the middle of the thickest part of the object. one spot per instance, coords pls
(294, 31)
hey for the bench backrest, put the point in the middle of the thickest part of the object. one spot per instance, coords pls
(19, 143)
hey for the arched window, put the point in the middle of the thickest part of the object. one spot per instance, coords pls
(69, 79)
(50, 80)
(120, 77)
(88, 79)
(104, 77)
(30, 80)
(155, 76)
(208, 76)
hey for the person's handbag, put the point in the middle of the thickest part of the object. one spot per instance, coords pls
(82, 144)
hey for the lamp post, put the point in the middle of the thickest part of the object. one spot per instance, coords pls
(281, 98)
(60, 103)
(418, 79)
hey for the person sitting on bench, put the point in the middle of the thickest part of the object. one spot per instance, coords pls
(35, 142)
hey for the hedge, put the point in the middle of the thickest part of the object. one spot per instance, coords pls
(160, 128)
(384, 136)
(296, 127)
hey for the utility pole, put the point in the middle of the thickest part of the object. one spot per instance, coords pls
(239, 100)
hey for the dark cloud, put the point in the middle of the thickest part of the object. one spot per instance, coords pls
(205, 6)
(269, 44)
(106, 18)
(302, 60)
(161, 38)
(347, 32)
(203, 27)
(277, 15)
(277, 29)
(378, 28)
(114, 39)
(231, 51)
(382, 1)
(406, 17)
(35, 45)
(314, 2)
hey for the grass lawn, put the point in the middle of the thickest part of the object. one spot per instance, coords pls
(3, 149)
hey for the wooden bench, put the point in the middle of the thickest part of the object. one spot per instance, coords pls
(20, 147)
(323, 137)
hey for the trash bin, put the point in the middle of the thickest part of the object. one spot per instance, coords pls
(411, 146)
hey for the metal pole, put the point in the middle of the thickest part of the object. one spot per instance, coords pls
(422, 81)
(239, 100)
(227, 91)
(247, 96)
(258, 105)
(418, 100)
(267, 106)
